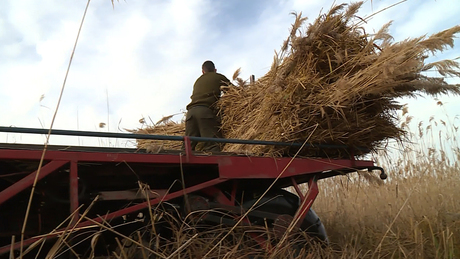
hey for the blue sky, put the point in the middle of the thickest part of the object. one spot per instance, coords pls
(140, 58)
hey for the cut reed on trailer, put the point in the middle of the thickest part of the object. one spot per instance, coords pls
(334, 83)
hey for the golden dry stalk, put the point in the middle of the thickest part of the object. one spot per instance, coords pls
(169, 128)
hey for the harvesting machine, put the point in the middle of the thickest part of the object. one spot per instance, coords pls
(87, 187)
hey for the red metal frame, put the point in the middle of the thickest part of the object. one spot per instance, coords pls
(28, 181)
(229, 167)
(306, 201)
(74, 190)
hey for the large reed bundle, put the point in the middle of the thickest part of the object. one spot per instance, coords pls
(335, 84)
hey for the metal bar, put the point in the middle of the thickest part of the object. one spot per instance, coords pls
(74, 190)
(29, 180)
(188, 149)
(130, 195)
(297, 189)
(352, 157)
(230, 167)
(163, 137)
(250, 168)
(88, 133)
(155, 201)
(307, 201)
(217, 195)
(233, 194)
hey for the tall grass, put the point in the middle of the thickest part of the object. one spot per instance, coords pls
(415, 214)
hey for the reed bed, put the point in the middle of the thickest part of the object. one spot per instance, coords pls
(414, 214)
(413, 217)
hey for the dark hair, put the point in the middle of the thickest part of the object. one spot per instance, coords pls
(208, 66)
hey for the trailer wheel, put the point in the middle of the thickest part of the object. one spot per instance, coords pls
(313, 226)
(281, 202)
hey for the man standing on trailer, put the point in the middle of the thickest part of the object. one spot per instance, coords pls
(201, 119)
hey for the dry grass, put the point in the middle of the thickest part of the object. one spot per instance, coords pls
(417, 217)
(189, 241)
(163, 127)
(415, 214)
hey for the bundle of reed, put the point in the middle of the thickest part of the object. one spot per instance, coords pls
(164, 127)
(331, 83)
(335, 84)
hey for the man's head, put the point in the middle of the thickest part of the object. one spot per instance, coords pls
(208, 66)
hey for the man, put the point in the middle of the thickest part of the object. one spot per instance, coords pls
(201, 119)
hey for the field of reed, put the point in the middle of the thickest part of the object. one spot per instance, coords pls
(414, 214)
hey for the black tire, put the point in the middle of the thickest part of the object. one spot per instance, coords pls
(280, 201)
(314, 227)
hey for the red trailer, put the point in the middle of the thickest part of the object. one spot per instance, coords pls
(71, 177)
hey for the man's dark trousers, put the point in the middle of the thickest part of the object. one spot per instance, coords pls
(201, 121)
